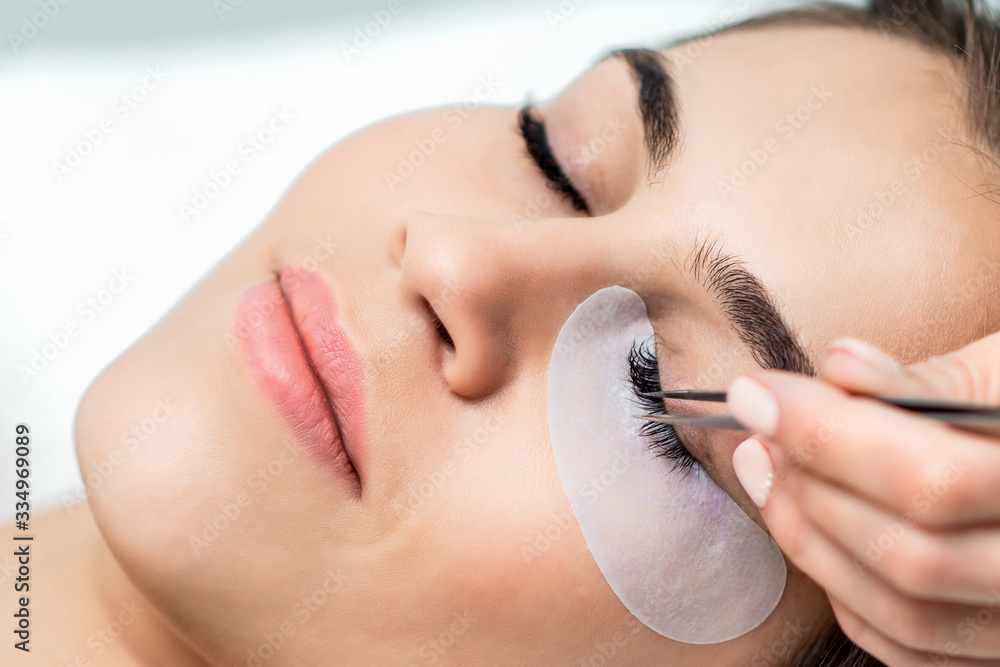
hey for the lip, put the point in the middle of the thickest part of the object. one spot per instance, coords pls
(304, 363)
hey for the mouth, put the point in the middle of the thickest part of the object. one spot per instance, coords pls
(304, 363)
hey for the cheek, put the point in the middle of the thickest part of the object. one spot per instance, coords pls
(488, 530)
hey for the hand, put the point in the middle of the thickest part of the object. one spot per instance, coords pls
(896, 516)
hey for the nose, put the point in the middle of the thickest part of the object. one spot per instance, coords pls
(501, 290)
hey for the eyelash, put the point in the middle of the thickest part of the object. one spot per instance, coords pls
(644, 376)
(536, 141)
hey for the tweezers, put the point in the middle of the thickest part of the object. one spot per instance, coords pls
(976, 417)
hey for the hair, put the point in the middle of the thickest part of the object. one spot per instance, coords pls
(967, 33)
(832, 648)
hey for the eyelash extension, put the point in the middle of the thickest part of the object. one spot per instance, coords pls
(644, 376)
(536, 141)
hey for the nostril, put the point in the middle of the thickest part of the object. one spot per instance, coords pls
(439, 325)
(445, 336)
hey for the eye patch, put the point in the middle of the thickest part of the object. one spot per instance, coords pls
(674, 547)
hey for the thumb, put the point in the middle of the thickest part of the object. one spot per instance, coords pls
(971, 373)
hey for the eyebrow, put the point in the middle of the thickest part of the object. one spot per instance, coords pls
(741, 296)
(748, 305)
(658, 106)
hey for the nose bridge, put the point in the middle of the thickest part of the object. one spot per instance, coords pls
(499, 287)
(501, 267)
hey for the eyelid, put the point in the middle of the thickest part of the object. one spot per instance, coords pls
(596, 131)
(533, 131)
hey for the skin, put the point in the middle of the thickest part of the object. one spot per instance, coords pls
(400, 569)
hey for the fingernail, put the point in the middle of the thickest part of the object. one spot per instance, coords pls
(867, 354)
(754, 469)
(753, 405)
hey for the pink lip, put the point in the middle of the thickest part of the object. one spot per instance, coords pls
(304, 363)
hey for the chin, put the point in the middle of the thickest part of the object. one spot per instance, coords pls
(139, 461)
(152, 433)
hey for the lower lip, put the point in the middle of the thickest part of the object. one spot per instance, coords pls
(281, 328)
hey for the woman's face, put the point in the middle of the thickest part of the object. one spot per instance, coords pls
(824, 161)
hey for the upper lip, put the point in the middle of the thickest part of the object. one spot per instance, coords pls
(329, 353)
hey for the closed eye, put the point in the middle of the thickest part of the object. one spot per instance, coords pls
(536, 140)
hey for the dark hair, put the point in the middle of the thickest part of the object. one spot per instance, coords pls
(968, 34)
(832, 648)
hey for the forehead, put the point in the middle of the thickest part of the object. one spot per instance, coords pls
(831, 160)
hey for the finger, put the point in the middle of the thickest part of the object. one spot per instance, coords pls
(904, 462)
(956, 566)
(916, 624)
(891, 652)
(971, 373)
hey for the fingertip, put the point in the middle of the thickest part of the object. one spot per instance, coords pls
(842, 368)
(860, 368)
(753, 405)
(754, 469)
(865, 353)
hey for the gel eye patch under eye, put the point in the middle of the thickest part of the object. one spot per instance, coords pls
(676, 549)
